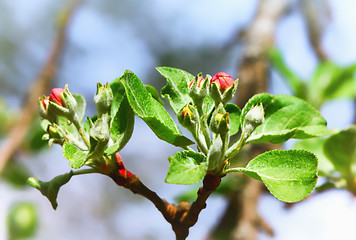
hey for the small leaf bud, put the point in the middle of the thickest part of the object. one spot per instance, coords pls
(254, 118)
(103, 99)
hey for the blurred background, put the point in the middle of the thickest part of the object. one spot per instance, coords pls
(45, 44)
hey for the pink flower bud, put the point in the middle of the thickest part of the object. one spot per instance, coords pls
(223, 80)
(56, 94)
(200, 81)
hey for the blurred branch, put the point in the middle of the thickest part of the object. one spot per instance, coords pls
(40, 85)
(316, 13)
(258, 38)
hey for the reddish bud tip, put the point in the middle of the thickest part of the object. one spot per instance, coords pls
(125, 173)
(45, 102)
(223, 80)
(55, 95)
(200, 81)
(186, 112)
(119, 161)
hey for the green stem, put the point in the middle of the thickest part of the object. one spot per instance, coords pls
(235, 148)
(80, 130)
(203, 127)
(188, 148)
(85, 171)
(234, 170)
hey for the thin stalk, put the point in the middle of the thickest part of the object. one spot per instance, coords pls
(236, 147)
(203, 124)
(85, 171)
(80, 130)
(234, 170)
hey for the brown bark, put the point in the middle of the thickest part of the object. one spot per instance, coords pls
(181, 216)
(253, 74)
(316, 14)
(40, 85)
(258, 38)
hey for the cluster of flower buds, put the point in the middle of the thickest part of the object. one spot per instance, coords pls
(59, 103)
(221, 88)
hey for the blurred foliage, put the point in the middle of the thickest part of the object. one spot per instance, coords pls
(329, 81)
(22, 221)
(337, 158)
(336, 153)
(7, 117)
(16, 174)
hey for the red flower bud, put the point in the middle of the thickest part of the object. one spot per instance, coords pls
(55, 95)
(200, 81)
(223, 80)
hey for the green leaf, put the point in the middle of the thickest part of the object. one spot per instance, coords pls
(234, 115)
(99, 138)
(118, 91)
(285, 117)
(186, 167)
(154, 93)
(176, 90)
(290, 175)
(122, 127)
(340, 148)
(50, 189)
(151, 111)
(75, 156)
(81, 105)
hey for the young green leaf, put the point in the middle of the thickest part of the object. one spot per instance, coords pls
(50, 189)
(234, 116)
(290, 175)
(186, 167)
(75, 156)
(176, 90)
(154, 93)
(151, 111)
(118, 91)
(340, 148)
(80, 107)
(122, 127)
(285, 117)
